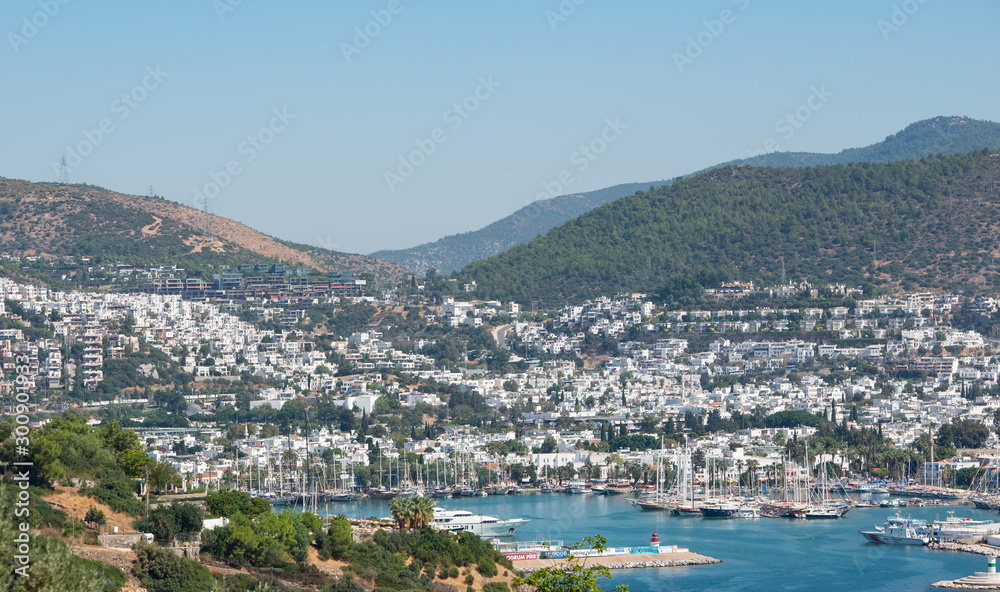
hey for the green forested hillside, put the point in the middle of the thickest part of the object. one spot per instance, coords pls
(931, 223)
(939, 135)
(454, 252)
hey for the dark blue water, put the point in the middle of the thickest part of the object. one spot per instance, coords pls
(762, 554)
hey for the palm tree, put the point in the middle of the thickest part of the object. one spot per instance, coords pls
(401, 509)
(423, 512)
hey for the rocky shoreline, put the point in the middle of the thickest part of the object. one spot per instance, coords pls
(952, 585)
(976, 549)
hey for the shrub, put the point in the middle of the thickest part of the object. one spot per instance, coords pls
(344, 584)
(229, 503)
(72, 529)
(43, 513)
(336, 541)
(469, 579)
(111, 577)
(160, 570)
(496, 587)
(95, 516)
(487, 567)
(252, 583)
(166, 521)
(118, 493)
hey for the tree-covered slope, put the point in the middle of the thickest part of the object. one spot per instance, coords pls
(535, 219)
(931, 223)
(940, 135)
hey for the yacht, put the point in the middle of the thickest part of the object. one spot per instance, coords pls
(720, 510)
(824, 512)
(747, 511)
(484, 526)
(618, 488)
(899, 531)
(344, 496)
(577, 486)
(687, 511)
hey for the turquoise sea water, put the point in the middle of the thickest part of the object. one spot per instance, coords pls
(761, 554)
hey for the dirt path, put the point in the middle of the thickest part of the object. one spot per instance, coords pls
(152, 229)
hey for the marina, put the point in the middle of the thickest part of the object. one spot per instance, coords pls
(753, 553)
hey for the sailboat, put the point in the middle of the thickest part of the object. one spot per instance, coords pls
(687, 505)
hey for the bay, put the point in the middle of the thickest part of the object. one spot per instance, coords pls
(759, 554)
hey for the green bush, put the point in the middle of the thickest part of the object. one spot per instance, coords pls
(166, 521)
(487, 567)
(72, 529)
(252, 583)
(118, 493)
(336, 541)
(469, 579)
(112, 578)
(344, 584)
(160, 570)
(229, 503)
(496, 587)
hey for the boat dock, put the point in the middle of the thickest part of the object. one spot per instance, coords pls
(533, 555)
(623, 561)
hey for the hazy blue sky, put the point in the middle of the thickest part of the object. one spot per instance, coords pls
(180, 86)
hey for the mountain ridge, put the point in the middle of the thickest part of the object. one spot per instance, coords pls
(65, 219)
(944, 134)
(927, 224)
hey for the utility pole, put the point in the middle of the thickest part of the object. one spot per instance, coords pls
(147, 490)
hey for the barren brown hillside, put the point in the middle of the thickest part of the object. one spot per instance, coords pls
(85, 220)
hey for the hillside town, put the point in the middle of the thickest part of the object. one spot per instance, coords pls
(896, 365)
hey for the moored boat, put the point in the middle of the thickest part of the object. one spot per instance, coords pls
(899, 531)
(484, 526)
